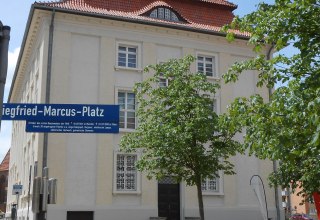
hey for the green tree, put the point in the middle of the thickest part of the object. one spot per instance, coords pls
(286, 127)
(178, 131)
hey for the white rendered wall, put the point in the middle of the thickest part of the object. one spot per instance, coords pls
(84, 72)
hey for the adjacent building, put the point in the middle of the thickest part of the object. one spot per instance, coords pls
(4, 171)
(93, 52)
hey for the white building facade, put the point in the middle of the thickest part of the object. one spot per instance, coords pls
(93, 52)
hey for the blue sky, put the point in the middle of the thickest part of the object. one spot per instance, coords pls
(14, 13)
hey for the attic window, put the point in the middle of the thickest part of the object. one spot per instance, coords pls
(164, 14)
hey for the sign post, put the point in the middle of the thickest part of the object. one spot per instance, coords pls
(16, 190)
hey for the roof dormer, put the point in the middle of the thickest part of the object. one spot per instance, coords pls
(164, 13)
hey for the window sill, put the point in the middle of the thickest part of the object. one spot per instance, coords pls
(216, 78)
(117, 68)
(212, 193)
(126, 130)
(126, 192)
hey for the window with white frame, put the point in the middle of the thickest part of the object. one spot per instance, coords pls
(210, 185)
(206, 64)
(127, 103)
(126, 175)
(127, 55)
(163, 81)
(213, 186)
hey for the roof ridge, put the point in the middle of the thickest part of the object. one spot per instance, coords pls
(219, 2)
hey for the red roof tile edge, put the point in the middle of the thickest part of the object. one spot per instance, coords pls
(81, 6)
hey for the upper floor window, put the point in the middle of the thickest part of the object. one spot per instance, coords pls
(163, 81)
(127, 103)
(127, 56)
(165, 14)
(206, 64)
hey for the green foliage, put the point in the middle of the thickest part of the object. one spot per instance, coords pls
(287, 128)
(178, 132)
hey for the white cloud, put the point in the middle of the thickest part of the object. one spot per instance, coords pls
(12, 61)
(5, 133)
(5, 138)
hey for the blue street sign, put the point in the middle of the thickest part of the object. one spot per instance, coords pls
(72, 127)
(61, 112)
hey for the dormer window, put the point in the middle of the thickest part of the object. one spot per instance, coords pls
(164, 14)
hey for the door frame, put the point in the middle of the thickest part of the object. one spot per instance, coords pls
(181, 197)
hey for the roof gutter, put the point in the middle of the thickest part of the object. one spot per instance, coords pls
(48, 86)
(23, 44)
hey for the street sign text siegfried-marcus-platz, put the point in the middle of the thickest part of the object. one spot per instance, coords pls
(64, 118)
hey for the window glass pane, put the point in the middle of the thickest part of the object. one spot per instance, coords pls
(174, 17)
(163, 82)
(161, 13)
(132, 56)
(121, 100)
(132, 65)
(132, 60)
(121, 48)
(131, 101)
(132, 49)
(208, 69)
(121, 119)
(200, 67)
(167, 14)
(154, 14)
(121, 59)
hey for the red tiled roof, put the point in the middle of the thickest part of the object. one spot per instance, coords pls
(205, 15)
(5, 163)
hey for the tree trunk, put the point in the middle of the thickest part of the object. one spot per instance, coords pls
(200, 199)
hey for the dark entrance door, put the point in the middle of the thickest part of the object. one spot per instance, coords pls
(169, 199)
(79, 215)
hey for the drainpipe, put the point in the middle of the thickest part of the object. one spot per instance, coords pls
(276, 193)
(4, 48)
(42, 213)
(48, 87)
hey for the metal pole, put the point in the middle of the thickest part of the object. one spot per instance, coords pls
(4, 48)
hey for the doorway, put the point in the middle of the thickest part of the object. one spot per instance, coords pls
(79, 215)
(169, 199)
